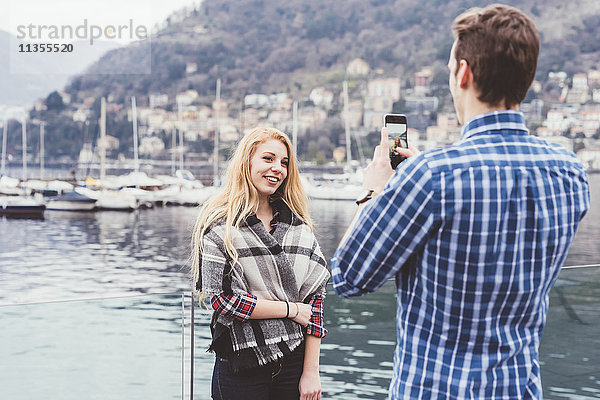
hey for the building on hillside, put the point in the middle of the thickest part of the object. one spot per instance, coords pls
(558, 120)
(191, 68)
(311, 118)
(545, 132)
(252, 117)
(580, 82)
(558, 78)
(357, 67)
(186, 98)
(151, 146)
(66, 97)
(422, 81)
(579, 92)
(591, 121)
(110, 143)
(421, 104)
(221, 107)
(386, 87)
(374, 109)
(228, 132)
(256, 100)
(355, 114)
(534, 111)
(593, 77)
(280, 119)
(321, 97)
(158, 100)
(80, 115)
(40, 105)
(445, 132)
(280, 100)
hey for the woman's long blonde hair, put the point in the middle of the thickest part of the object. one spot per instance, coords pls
(239, 198)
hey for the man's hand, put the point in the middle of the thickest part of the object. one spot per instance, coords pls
(410, 152)
(379, 171)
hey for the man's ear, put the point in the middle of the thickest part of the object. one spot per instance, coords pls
(464, 75)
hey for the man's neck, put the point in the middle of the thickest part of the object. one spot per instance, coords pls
(475, 107)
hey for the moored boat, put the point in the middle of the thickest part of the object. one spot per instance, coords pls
(21, 206)
(72, 201)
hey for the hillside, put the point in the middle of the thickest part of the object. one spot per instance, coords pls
(265, 46)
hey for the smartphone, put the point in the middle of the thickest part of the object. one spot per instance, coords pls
(396, 125)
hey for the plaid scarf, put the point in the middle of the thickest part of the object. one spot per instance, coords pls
(287, 265)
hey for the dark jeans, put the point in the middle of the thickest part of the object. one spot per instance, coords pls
(275, 381)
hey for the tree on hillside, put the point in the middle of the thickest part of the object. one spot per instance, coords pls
(54, 102)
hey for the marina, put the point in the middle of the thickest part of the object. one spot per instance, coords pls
(92, 303)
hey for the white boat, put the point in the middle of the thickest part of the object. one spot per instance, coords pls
(110, 200)
(116, 201)
(10, 186)
(332, 187)
(131, 180)
(335, 192)
(182, 196)
(72, 201)
(145, 198)
(48, 188)
(21, 206)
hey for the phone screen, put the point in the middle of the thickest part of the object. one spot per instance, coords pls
(397, 135)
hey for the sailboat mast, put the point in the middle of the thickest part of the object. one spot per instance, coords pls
(173, 148)
(4, 127)
(295, 128)
(102, 146)
(24, 140)
(42, 153)
(180, 117)
(217, 128)
(347, 125)
(136, 164)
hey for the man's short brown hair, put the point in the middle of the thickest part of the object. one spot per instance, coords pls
(501, 46)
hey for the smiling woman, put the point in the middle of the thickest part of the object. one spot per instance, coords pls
(255, 255)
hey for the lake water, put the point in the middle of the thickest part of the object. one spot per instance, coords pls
(91, 308)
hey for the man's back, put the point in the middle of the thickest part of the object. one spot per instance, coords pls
(476, 234)
(509, 205)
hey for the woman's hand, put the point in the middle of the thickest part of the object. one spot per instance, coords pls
(304, 313)
(310, 385)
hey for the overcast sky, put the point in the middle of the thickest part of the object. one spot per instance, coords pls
(98, 12)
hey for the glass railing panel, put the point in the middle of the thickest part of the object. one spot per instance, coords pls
(203, 361)
(570, 348)
(116, 348)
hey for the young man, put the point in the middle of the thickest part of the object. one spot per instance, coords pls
(474, 233)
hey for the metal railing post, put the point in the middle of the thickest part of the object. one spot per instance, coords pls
(192, 349)
(182, 346)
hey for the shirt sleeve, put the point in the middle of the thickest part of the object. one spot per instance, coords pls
(239, 307)
(315, 325)
(391, 228)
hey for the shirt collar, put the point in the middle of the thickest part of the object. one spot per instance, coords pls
(495, 120)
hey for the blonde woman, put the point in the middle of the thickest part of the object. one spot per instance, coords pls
(257, 259)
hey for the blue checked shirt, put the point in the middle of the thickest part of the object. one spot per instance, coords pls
(475, 235)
